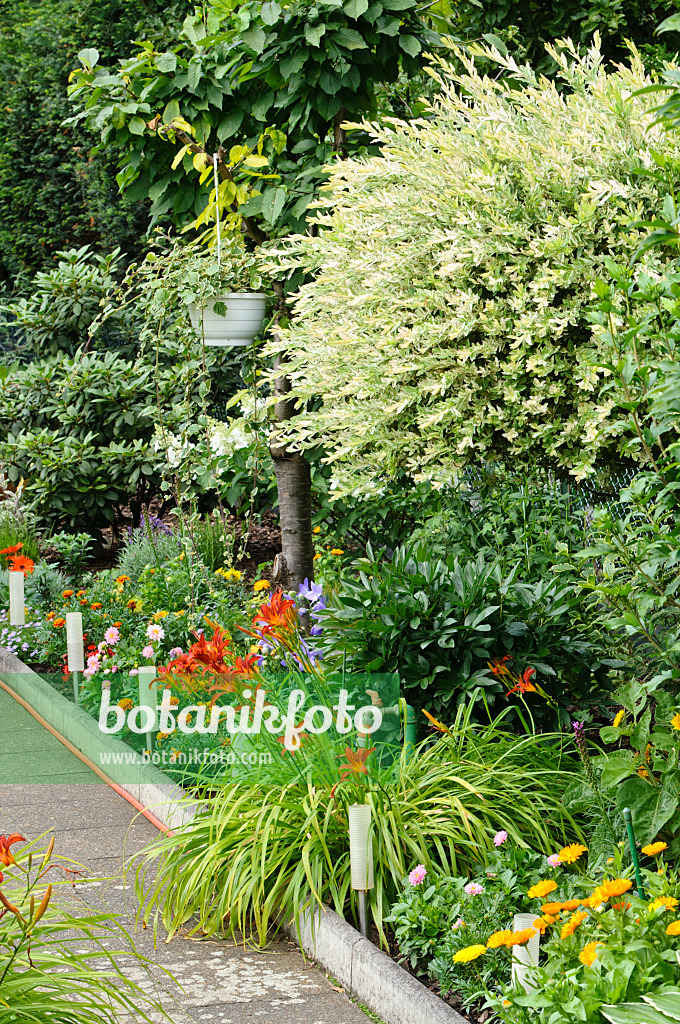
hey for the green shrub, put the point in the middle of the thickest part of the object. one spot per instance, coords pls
(438, 622)
(71, 549)
(214, 543)
(64, 302)
(82, 432)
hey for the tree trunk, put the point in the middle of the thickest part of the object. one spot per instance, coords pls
(294, 485)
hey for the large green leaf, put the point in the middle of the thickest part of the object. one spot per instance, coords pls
(657, 1008)
(651, 806)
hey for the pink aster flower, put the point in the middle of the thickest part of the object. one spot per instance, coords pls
(553, 860)
(474, 889)
(417, 876)
(500, 838)
(155, 632)
(133, 672)
(112, 636)
(175, 652)
(148, 651)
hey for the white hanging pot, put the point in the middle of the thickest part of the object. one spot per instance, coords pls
(242, 322)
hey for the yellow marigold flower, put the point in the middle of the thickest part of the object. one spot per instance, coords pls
(595, 899)
(519, 938)
(588, 954)
(618, 720)
(571, 853)
(337, 551)
(160, 736)
(675, 721)
(551, 908)
(261, 585)
(317, 529)
(643, 773)
(498, 939)
(315, 557)
(572, 924)
(160, 614)
(464, 956)
(654, 848)
(125, 704)
(178, 615)
(542, 889)
(673, 928)
(667, 902)
(506, 1002)
(615, 887)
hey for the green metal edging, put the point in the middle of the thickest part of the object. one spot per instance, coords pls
(118, 761)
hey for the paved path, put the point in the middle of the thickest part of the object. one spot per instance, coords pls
(45, 787)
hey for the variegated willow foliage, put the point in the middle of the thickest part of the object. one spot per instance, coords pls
(447, 316)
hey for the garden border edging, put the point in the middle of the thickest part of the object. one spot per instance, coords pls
(368, 974)
(142, 781)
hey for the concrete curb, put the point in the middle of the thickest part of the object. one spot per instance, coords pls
(141, 780)
(367, 973)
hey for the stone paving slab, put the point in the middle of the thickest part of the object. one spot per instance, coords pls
(221, 982)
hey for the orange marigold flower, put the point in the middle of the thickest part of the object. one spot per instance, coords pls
(571, 853)
(595, 898)
(81, 593)
(588, 954)
(540, 924)
(50, 616)
(571, 904)
(96, 606)
(125, 704)
(667, 902)
(520, 938)
(464, 956)
(337, 551)
(22, 563)
(654, 848)
(623, 906)
(83, 600)
(573, 923)
(59, 623)
(673, 928)
(542, 889)
(67, 593)
(498, 939)
(551, 908)
(615, 887)
(122, 579)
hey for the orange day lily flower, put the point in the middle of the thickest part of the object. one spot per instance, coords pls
(356, 762)
(6, 856)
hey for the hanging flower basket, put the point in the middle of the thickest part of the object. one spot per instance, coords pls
(231, 319)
